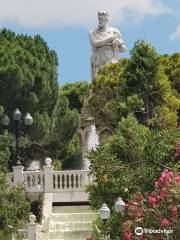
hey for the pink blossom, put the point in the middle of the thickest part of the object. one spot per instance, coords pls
(157, 184)
(178, 179)
(174, 210)
(153, 199)
(142, 238)
(166, 174)
(127, 236)
(164, 221)
(163, 193)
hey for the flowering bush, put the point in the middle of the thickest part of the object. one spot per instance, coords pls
(158, 210)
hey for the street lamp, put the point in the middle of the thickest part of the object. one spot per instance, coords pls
(17, 116)
(119, 205)
(104, 212)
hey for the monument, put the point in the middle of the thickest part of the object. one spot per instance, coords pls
(106, 42)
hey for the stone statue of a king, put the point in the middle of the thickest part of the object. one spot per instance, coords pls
(106, 42)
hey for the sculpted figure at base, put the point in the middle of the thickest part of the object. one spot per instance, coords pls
(106, 42)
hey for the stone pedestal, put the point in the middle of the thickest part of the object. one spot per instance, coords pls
(87, 125)
(32, 228)
(48, 176)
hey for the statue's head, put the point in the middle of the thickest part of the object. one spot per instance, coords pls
(103, 18)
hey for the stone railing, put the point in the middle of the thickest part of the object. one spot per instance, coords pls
(70, 180)
(49, 181)
(33, 181)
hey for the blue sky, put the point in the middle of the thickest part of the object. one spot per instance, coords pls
(64, 24)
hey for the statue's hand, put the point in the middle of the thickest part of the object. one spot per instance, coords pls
(112, 39)
(116, 43)
(119, 45)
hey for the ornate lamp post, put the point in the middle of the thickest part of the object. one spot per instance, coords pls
(17, 117)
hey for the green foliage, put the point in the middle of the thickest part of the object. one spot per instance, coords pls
(139, 99)
(107, 86)
(28, 75)
(57, 165)
(171, 65)
(14, 209)
(4, 151)
(76, 93)
(140, 85)
(129, 161)
(36, 209)
(28, 80)
(64, 140)
(145, 77)
(14, 205)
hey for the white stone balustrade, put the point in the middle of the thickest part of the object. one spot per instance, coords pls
(70, 180)
(33, 181)
(55, 186)
(48, 181)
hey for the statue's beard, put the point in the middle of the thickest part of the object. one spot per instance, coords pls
(102, 26)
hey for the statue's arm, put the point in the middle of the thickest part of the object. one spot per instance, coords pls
(100, 43)
(120, 42)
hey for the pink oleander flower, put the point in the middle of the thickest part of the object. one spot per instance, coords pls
(174, 210)
(166, 175)
(153, 199)
(164, 221)
(127, 236)
(163, 193)
(177, 179)
(156, 183)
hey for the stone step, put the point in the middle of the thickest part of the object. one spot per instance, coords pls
(71, 222)
(69, 235)
(72, 217)
(71, 226)
(72, 209)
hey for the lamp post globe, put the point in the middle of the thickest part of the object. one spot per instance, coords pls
(104, 212)
(28, 119)
(17, 115)
(119, 205)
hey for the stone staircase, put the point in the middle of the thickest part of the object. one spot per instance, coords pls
(71, 222)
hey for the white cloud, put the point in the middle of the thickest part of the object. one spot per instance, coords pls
(175, 34)
(44, 13)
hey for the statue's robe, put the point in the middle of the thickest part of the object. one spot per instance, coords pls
(102, 52)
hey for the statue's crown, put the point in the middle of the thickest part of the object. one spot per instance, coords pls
(103, 14)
